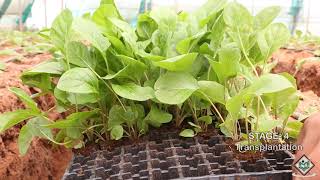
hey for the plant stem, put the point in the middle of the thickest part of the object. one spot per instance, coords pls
(214, 107)
(258, 112)
(245, 54)
(194, 115)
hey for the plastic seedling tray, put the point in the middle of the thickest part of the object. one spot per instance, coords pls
(171, 157)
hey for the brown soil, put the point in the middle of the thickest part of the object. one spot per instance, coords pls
(308, 76)
(42, 160)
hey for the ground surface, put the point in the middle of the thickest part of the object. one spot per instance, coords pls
(42, 161)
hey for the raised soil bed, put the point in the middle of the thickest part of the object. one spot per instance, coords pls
(171, 157)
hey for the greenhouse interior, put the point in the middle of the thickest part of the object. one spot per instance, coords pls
(159, 89)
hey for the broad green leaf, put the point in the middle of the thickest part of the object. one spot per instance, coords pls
(209, 8)
(269, 83)
(124, 27)
(166, 18)
(211, 91)
(293, 128)
(130, 116)
(116, 132)
(217, 32)
(39, 80)
(186, 46)
(234, 105)
(236, 15)
(119, 46)
(91, 33)
(266, 125)
(61, 26)
(74, 120)
(78, 54)
(26, 99)
(178, 63)
(133, 91)
(157, 117)
(133, 69)
(227, 127)
(48, 67)
(79, 80)
(206, 119)
(111, 2)
(9, 119)
(228, 65)
(146, 26)
(187, 133)
(82, 98)
(266, 16)
(34, 128)
(175, 88)
(101, 17)
(272, 38)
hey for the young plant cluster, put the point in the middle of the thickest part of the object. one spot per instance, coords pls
(185, 68)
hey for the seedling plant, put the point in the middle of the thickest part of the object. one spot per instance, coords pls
(199, 69)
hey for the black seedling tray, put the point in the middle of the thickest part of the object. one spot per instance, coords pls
(175, 158)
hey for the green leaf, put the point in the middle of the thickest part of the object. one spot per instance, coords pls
(78, 54)
(116, 132)
(266, 16)
(175, 88)
(211, 91)
(74, 120)
(48, 67)
(194, 125)
(166, 18)
(91, 33)
(187, 133)
(209, 8)
(157, 117)
(79, 80)
(178, 63)
(26, 99)
(269, 83)
(82, 98)
(101, 17)
(60, 29)
(186, 46)
(272, 38)
(133, 91)
(39, 80)
(130, 116)
(293, 128)
(228, 65)
(9, 119)
(206, 119)
(119, 46)
(34, 128)
(236, 15)
(266, 125)
(133, 69)
(146, 26)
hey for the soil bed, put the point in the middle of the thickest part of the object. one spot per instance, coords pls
(42, 160)
(307, 76)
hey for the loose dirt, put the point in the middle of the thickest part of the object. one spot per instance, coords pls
(42, 160)
(307, 76)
